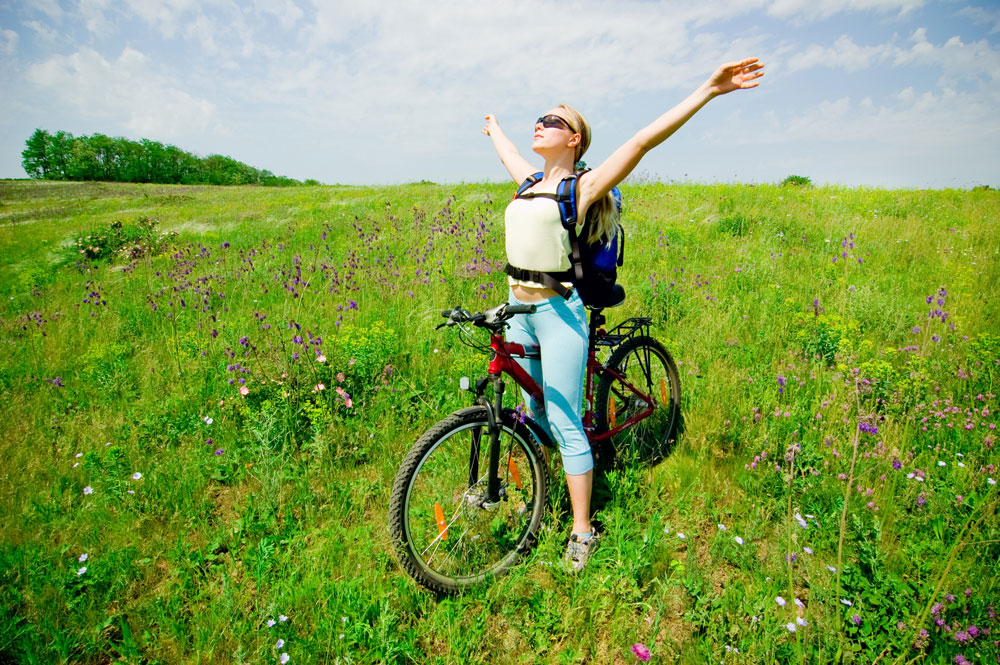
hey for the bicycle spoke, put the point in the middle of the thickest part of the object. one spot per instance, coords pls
(477, 436)
(638, 399)
(450, 529)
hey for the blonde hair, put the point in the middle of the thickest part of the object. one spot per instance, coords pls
(603, 213)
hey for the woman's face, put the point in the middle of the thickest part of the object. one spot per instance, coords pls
(553, 133)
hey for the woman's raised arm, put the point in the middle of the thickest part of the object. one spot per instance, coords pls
(730, 76)
(518, 167)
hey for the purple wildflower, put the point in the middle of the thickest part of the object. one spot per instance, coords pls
(868, 428)
(641, 651)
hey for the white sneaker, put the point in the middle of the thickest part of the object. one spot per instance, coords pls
(578, 551)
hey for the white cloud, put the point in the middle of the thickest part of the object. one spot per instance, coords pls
(955, 59)
(821, 9)
(44, 32)
(8, 42)
(50, 8)
(357, 57)
(126, 90)
(203, 31)
(842, 54)
(286, 11)
(165, 15)
(981, 15)
(92, 13)
(907, 123)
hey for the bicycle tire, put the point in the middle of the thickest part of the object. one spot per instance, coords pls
(475, 541)
(648, 366)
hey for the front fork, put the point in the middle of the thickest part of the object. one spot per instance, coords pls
(492, 413)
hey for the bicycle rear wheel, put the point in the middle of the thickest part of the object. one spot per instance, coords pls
(640, 392)
(446, 534)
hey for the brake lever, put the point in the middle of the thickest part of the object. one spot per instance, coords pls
(455, 316)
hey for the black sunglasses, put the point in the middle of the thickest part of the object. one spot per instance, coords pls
(552, 120)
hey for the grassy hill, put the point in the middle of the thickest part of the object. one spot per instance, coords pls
(176, 487)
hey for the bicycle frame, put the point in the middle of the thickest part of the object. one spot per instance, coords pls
(504, 361)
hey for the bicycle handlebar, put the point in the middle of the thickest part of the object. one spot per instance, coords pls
(520, 309)
(492, 318)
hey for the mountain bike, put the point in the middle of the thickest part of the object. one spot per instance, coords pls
(469, 497)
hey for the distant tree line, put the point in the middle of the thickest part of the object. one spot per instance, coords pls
(62, 156)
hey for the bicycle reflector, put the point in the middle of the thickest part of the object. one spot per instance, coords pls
(514, 473)
(442, 525)
(612, 413)
(663, 393)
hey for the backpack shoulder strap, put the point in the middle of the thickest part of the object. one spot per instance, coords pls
(528, 182)
(566, 197)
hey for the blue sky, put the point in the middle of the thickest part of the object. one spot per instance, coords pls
(882, 93)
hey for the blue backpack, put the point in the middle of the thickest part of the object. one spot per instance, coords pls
(593, 266)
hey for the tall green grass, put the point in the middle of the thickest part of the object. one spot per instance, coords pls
(214, 420)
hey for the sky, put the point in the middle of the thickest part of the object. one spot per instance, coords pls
(874, 93)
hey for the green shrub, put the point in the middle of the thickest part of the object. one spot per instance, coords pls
(796, 181)
(820, 336)
(122, 241)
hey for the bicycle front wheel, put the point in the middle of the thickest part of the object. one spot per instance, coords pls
(447, 532)
(638, 400)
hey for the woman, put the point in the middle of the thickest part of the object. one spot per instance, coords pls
(537, 241)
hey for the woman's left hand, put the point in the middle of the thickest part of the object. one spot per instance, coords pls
(736, 76)
(491, 125)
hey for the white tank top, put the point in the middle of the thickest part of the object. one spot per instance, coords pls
(535, 237)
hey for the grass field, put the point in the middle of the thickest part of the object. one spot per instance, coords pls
(177, 488)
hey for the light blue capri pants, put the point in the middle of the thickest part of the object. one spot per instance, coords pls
(559, 327)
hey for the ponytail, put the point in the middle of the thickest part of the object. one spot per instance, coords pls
(603, 215)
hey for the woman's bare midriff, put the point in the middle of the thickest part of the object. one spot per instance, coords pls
(531, 293)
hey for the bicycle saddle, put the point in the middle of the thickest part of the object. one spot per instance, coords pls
(613, 298)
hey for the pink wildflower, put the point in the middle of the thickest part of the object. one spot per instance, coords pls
(641, 651)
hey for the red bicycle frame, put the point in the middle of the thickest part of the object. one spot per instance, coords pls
(504, 361)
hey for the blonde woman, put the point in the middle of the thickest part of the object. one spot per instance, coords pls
(537, 241)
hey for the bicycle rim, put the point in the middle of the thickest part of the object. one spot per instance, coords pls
(449, 536)
(642, 387)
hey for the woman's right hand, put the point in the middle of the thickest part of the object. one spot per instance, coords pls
(491, 124)
(517, 166)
